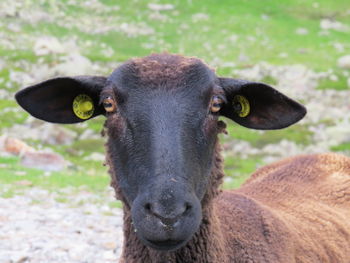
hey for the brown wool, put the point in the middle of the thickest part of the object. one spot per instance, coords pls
(295, 210)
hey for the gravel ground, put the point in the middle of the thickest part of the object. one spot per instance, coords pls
(35, 227)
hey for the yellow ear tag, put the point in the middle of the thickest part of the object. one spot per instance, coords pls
(241, 105)
(83, 106)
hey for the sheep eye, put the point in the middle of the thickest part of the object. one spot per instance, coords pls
(109, 104)
(216, 104)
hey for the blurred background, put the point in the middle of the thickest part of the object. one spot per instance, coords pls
(301, 47)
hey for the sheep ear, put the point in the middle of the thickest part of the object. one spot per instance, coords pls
(259, 106)
(63, 100)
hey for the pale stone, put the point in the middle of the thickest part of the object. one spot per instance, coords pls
(16, 146)
(344, 62)
(328, 24)
(95, 156)
(43, 160)
(48, 45)
(301, 31)
(160, 7)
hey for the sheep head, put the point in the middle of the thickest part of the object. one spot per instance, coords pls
(162, 122)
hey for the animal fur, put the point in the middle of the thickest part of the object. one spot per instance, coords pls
(295, 210)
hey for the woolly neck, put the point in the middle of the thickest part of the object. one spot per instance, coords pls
(206, 244)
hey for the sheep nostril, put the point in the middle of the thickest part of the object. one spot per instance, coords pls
(188, 207)
(168, 217)
(148, 207)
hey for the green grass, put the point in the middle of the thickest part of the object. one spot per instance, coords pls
(344, 147)
(239, 170)
(95, 179)
(297, 133)
(271, 23)
(5, 104)
(339, 84)
(9, 118)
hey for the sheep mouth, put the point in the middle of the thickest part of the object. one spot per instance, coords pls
(168, 244)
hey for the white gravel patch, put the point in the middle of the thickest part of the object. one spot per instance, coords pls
(36, 228)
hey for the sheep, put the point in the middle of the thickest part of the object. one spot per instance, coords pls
(162, 124)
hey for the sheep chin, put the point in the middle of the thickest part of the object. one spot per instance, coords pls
(166, 245)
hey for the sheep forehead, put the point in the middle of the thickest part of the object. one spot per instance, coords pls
(163, 71)
(158, 63)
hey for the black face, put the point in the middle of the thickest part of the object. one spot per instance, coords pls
(161, 142)
(162, 113)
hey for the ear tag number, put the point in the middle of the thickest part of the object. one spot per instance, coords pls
(83, 106)
(241, 106)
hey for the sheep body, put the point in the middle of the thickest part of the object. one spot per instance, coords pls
(294, 210)
(309, 197)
